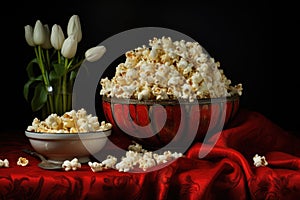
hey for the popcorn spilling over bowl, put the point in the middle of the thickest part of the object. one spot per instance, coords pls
(169, 92)
(74, 134)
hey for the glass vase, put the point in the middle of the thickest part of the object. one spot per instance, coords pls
(59, 101)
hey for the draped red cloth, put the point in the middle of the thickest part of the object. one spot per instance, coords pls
(226, 172)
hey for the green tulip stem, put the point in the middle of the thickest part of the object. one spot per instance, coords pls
(48, 58)
(70, 63)
(58, 93)
(58, 57)
(58, 97)
(75, 66)
(40, 59)
(64, 86)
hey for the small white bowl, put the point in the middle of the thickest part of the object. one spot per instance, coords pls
(58, 147)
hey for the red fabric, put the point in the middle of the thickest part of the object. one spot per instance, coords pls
(226, 172)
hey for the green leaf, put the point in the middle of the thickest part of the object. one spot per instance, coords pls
(73, 75)
(59, 69)
(26, 89)
(30, 68)
(39, 98)
(28, 84)
(53, 76)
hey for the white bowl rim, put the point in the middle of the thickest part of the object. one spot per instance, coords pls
(67, 136)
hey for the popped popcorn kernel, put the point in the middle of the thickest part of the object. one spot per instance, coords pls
(109, 162)
(4, 163)
(74, 164)
(95, 166)
(259, 161)
(22, 161)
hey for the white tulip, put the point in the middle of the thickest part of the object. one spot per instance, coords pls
(74, 27)
(29, 35)
(39, 35)
(57, 37)
(69, 47)
(95, 53)
(47, 43)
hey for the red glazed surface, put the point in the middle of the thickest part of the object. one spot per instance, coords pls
(154, 124)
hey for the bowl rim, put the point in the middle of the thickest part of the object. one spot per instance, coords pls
(169, 101)
(68, 136)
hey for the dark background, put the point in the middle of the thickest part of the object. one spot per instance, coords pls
(239, 35)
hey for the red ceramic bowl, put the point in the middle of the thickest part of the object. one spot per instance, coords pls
(157, 123)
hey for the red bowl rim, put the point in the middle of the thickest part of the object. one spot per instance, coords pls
(116, 100)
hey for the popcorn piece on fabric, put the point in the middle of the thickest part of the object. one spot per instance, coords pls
(259, 161)
(163, 158)
(109, 162)
(74, 164)
(126, 164)
(4, 163)
(147, 161)
(136, 147)
(22, 161)
(95, 166)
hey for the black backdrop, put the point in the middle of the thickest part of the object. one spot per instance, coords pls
(239, 35)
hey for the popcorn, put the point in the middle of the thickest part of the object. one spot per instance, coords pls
(169, 70)
(73, 164)
(4, 163)
(136, 147)
(176, 155)
(22, 161)
(95, 166)
(259, 161)
(136, 156)
(125, 165)
(70, 122)
(109, 162)
(146, 161)
(162, 158)
(166, 156)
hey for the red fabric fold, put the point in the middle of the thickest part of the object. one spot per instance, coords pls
(226, 172)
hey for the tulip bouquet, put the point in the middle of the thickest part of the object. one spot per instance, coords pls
(53, 70)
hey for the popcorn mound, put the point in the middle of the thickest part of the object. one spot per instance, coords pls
(169, 70)
(70, 122)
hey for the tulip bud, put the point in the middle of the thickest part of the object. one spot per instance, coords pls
(95, 53)
(69, 47)
(57, 37)
(39, 35)
(47, 43)
(29, 35)
(74, 28)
